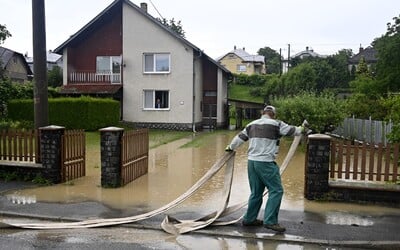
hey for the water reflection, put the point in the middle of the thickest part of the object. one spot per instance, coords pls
(174, 169)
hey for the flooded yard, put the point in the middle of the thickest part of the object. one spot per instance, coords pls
(176, 166)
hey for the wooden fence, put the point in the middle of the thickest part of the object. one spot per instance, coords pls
(134, 154)
(364, 161)
(73, 155)
(19, 145)
(370, 131)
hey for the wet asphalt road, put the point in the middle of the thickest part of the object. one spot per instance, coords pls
(305, 230)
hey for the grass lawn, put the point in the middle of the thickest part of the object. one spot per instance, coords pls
(241, 92)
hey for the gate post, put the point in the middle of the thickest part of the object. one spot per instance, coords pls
(50, 152)
(317, 166)
(110, 145)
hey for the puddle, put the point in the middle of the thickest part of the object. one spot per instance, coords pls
(174, 169)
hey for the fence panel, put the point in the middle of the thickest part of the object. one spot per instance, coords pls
(135, 154)
(20, 145)
(363, 161)
(370, 131)
(73, 155)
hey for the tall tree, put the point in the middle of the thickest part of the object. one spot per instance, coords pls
(388, 65)
(272, 60)
(4, 33)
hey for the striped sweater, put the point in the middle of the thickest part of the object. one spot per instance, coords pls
(263, 136)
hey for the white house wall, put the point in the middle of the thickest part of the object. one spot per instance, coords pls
(198, 88)
(141, 35)
(221, 98)
(65, 66)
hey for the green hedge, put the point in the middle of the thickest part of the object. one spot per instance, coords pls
(73, 113)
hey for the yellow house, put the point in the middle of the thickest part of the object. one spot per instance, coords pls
(240, 62)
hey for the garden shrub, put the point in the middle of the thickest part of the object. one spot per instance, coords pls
(73, 113)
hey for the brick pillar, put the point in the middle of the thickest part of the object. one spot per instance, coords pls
(317, 166)
(110, 145)
(50, 152)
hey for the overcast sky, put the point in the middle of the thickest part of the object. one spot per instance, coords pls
(216, 26)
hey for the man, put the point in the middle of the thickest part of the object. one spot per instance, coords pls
(263, 172)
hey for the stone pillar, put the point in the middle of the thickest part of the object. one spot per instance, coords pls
(317, 166)
(110, 145)
(50, 152)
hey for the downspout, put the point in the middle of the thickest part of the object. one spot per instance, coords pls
(194, 92)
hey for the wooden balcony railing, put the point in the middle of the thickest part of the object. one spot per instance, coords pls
(94, 77)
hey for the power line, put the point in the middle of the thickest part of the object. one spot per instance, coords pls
(156, 9)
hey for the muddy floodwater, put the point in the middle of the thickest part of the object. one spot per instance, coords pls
(174, 168)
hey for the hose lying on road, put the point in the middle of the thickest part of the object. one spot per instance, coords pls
(169, 224)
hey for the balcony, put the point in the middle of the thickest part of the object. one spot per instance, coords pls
(94, 77)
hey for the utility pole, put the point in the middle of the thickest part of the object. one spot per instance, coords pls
(288, 58)
(280, 61)
(40, 95)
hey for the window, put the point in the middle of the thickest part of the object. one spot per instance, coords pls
(156, 99)
(241, 68)
(157, 63)
(210, 93)
(108, 65)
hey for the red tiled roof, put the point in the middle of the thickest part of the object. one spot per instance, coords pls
(90, 88)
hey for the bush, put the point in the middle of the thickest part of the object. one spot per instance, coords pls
(392, 105)
(321, 111)
(73, 113)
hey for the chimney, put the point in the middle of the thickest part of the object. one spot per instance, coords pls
(360, 49)
(143, 6)
(234, 47)
(244, 48)
(307, 48)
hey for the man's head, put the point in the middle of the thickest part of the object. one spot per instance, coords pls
(270, 111)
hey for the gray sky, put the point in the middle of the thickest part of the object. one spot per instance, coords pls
(215, 26)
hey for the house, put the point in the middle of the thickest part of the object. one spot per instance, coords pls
(308, 52)
(52, 60)
(14, 65)
(126, 53)
(369, 54)
(240, 62)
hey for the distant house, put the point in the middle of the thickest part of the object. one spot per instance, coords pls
(308, 52)
(369, 54)
(52, 59)
(126, 53)
(240, 62)
(14, 65)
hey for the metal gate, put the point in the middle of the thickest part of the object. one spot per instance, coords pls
(73, 155)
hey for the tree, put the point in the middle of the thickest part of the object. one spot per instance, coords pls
(272, 60)
(388, 65)
(301, 78)
(174, 26)
(54, 77)
(4, 33)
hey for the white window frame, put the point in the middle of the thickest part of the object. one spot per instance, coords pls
(241, 68)
(153, 94)
(112, 59)
(156, 58)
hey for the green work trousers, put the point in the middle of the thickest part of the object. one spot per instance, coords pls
(261, 175)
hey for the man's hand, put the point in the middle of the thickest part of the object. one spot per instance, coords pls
(228, 149)
(305, 128)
